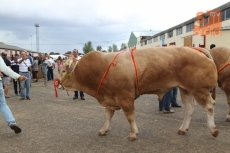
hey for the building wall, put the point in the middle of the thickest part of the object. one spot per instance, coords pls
(197, 40)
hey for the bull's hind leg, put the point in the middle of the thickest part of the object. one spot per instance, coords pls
(206, 101)
(228, 101)
(189, 104)
(108, 116)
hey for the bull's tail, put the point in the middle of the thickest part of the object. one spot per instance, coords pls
(214, 93)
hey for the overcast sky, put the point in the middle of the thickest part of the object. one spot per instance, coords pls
(68, 24)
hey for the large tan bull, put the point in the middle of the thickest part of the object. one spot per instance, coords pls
(221, 57)
(117, 79)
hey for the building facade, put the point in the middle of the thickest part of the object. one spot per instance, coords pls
(185, 35)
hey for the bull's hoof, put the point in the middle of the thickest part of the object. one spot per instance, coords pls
(180, 132)
(215, 133)
(101, 134)
(227, 120)
(131, 138)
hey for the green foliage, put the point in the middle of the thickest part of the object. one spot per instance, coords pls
(99, 48)
(68, 52)
(115, 49)
(53, 53)
(123, 46)
(110, 49)
(88, 47)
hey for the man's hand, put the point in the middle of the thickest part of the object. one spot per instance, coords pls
(22, 78)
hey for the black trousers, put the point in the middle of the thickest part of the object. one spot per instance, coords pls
(76, 94)
(16, 86)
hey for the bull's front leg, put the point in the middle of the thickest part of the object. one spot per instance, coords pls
(108, 116)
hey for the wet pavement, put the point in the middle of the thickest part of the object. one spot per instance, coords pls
(64, 125)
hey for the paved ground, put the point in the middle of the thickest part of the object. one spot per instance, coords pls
(64, 125)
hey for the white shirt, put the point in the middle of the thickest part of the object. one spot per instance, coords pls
(6, 70)
(78, 58)
(50, 62)
(23, 66)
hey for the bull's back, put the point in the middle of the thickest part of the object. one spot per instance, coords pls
(163, 67)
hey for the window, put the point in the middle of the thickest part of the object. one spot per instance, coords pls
(228, 14)
(223, 15)
(149, 41)
(189, 27)
(155, 39)
(162, 37)
(179, 31)
(170, 34)
(145, 42)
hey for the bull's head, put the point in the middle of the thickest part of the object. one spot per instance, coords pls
(66, 72)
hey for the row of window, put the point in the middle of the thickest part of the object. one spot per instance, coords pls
(189, 27)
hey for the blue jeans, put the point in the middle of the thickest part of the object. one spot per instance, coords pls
(4, 109)
(25, 85)
(166, 101)
(50, 74)
(174, 95)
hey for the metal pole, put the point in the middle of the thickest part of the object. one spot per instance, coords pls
(37, 36)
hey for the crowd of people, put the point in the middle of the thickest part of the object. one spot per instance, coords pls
(22, 69)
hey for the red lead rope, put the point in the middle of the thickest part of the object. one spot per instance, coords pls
(56, 84)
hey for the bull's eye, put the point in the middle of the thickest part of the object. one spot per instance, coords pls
(63, 71)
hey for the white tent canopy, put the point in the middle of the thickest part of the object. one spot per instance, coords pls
(56, 56)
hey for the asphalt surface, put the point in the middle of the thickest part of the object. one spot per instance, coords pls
(64, 125)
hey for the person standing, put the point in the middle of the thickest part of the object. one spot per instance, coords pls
(4, 109)
(44, 68)
(6, 79)
(51, 67)
(35, 69)
(164, 104)
(59, 63)
(24, 70)
(75, 54)
(174, 97)
(15, 68)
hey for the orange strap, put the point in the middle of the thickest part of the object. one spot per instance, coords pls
(106, 72)
(135, 66)
(225, 65)
(113, 63)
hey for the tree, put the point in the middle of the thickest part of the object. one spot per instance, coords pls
(110, 49)
(115, 49)
(123, 46)
(99, 48)
(68, 52)
(88, 47)
(53, 53)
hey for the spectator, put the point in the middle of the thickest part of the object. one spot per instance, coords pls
(35, 69)
(44, 68)
(4, 109)
(6, 79)
(212, 46)
(15, 68)
(75, 54)
(165, 103)
(24, 66)
(174, 98)
(59, 63)
(51, 67)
